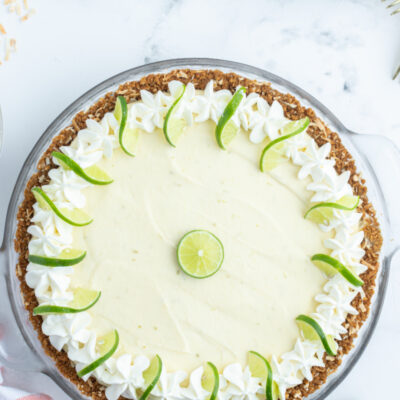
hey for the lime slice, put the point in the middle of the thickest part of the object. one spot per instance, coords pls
(200, 254)
(106, 347)
(322, 213)
(273, 153)
(83, 300)
(151, 376)
(331, 266)
(67, 258)
(92, 174)
(173, 126)
(312, 331)
(260, 368)
(128, 136)
(226, 129)
(210, 380)
(75, 216)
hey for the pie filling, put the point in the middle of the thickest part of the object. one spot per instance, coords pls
(266, 280)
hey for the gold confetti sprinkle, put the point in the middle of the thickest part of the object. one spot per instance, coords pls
(24, 12)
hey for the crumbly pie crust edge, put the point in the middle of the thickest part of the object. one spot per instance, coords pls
(371, 244)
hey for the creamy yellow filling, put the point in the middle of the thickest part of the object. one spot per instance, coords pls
(266, 279)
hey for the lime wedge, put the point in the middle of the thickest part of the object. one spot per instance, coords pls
(312, 331)
(83, 300)
(331, 266)
(128, 136)
(173, 126)
(75, 216)
(151, 376)
(210, 380)
(273, 153)
(322, 213)
(260, 368)
(67, 258)
(93, 174)
(106, 347)
(226, 129)
(200, 254)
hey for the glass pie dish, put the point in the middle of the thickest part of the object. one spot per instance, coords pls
(375, 156)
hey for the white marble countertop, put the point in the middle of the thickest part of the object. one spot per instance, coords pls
(343, 52)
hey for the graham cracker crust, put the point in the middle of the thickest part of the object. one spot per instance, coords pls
(293, 110)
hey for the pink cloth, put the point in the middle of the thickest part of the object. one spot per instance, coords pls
(28, 386)
(8, 392)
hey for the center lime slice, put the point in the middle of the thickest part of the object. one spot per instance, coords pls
(66, 258)
(106, 347)
(322, 213)
(260, 368)
(274, 152)
(128, 136)
(226, 129)
(83, 300)
(93, 174)
(151, 376)
(75, 216)
(200, 254)
(173, 126)
(331, 266)
(312, 331)
(210, 380)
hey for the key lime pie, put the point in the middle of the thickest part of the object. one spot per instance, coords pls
(197, 235)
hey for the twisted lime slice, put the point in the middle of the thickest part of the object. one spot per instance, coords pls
(260, 368)
(322, 213)
(274, 152)
(331, 266)
(226, 129)
(312, 331)
(173, 126)
(106, 347)
(128, 136)
(210, 380)
(151, 376)
(200, 254)
(83, 300)
(67, 258)
(75, 216)
(93, 174)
